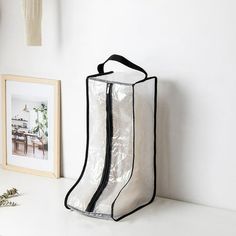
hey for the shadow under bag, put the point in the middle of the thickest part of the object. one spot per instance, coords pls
(119, 173)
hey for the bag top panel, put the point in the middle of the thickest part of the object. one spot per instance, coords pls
(124, 78)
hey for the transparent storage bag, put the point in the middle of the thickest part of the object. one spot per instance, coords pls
(119, 173)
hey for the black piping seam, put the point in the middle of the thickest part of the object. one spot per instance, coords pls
(96, 75)
(115, 82)
(154, 190)
(87, 146)
(110, 81)
(143, 80)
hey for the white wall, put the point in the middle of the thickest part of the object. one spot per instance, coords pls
(189, 44)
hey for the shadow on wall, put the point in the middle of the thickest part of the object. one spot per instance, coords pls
(59, 22)
(170, 138)
(58, 9)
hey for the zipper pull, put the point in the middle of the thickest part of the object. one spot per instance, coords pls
(108, 88)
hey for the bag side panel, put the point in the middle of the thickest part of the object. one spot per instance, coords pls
(122, 147)
(140, 189)
(83, 192)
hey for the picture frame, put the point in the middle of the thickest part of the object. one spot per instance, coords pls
(31, 125)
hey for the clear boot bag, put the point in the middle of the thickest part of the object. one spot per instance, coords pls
(119, 172)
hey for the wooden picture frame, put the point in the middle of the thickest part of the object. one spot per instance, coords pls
(41, 98)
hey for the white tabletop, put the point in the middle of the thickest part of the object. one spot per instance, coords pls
(40, 211)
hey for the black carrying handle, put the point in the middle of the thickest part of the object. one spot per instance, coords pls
(123, 61)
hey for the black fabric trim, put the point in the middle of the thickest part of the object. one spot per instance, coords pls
(123, 61)
(109, 81)
(107, 164)
(93, 77)
(87, 145)
(154, 161)
(96, 75)
(143, 80)
(116, 82)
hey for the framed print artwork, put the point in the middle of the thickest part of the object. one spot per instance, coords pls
(31, 125)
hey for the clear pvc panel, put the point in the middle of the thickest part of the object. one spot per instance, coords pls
(122, 146)
(139, 190)
(83, 192)
(127, 78)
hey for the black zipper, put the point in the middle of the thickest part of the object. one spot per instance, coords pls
(107, 164)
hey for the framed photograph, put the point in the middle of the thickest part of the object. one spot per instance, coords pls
(31, 125)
